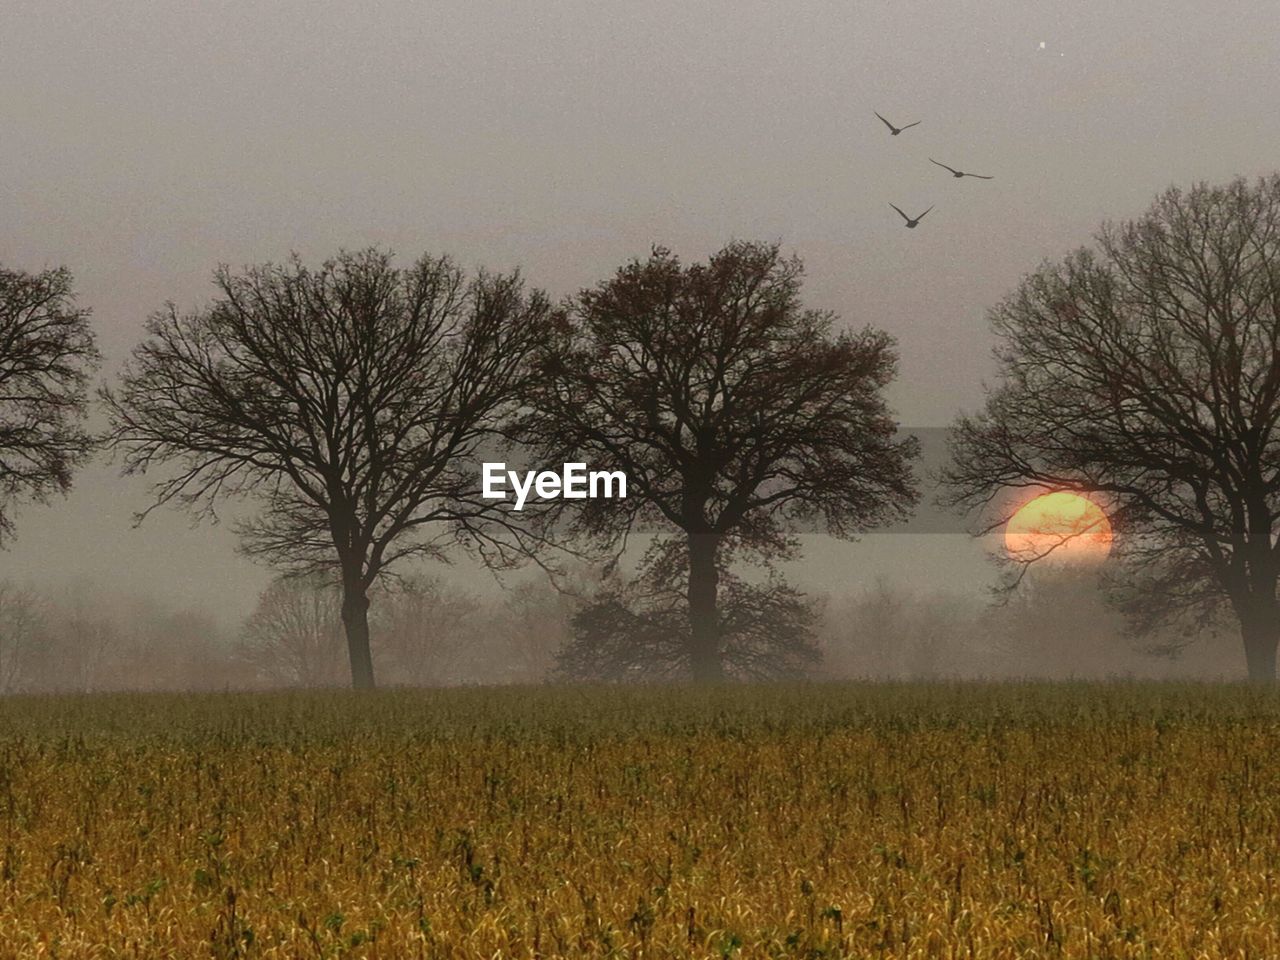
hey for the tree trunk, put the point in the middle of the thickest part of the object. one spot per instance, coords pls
(355, 619)
(704, 613)
(1260, 630)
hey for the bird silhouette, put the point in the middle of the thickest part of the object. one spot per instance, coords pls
(911, 224)
(892, 129)
(960, 173)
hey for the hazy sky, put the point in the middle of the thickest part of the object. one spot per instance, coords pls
(143, 143)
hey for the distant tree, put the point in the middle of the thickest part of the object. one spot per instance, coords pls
(732, 410)
(425, 631)
(176, 649)
(533, 619)
(890, 631)
(1061, 626)
(23, 636)
(87, 642)
(1147, 370)
(350, 400)
(47, 355)
(295, 634)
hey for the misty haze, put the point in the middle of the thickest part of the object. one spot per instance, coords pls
(170, 140)
(462, 463)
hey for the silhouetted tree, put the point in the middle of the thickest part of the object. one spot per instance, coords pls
(350, 400)
(47, 355)
(732, 410)
(1148, 370)
(641, 631)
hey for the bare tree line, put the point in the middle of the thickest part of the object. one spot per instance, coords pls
(76, 639)
(351, 402)
(429, 633)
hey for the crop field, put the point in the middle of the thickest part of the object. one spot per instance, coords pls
(798, 821)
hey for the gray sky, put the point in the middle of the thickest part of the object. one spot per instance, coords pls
(143, 143)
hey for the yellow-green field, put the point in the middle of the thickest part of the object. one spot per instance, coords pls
(817, 821)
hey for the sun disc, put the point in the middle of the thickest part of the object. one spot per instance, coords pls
(1061, 526)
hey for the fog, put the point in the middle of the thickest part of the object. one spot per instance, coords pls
(146, 143)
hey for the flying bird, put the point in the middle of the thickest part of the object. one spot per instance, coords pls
(911, 224)
(960, 173)
(892, 129)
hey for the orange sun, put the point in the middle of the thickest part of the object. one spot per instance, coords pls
(1063, 526)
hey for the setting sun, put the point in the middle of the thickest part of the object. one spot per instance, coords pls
(1062, 526)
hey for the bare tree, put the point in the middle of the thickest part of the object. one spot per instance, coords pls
(295, 634)
(1148, 370)
(350, 401)
(23, 634)
(732, 410)
(534, 622)
(87, 642)
(640, 631)
(890, 631)
(427, 632)
(47, 355)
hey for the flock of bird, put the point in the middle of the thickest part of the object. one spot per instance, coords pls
(913, 222)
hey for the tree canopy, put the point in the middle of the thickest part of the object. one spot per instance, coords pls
(349, 401)
(734, 411)
(1146, 370)
(47, 355)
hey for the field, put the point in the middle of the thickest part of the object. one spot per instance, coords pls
(807, 821)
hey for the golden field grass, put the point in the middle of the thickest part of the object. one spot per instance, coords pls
(801, 821)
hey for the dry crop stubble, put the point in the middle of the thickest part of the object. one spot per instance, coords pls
(808, 821)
